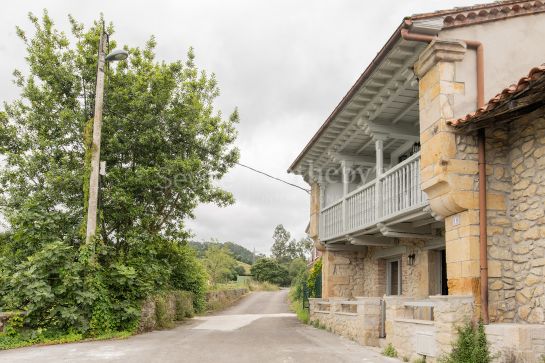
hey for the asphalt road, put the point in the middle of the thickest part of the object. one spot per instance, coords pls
(260, 328)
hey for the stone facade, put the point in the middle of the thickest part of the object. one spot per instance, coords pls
(516, 237)
(350, 274)
(343, 274)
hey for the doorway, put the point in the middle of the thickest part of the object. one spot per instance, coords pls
(393, 277)
(438, 283)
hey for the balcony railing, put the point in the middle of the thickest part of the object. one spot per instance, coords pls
(393, 193)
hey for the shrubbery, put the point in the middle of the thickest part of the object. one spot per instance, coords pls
(471, 346)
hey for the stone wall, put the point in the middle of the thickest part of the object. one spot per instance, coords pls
(524, 343)
(223, 298)
(162, 310)
(414, 337)
(358, 321)
(343, 274)
(516, 237)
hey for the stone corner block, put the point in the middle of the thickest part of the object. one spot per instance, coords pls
(439, 50)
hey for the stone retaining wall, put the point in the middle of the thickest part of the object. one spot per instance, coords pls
(223, 298)
(359, 320)
(161, 311)
(432, 337)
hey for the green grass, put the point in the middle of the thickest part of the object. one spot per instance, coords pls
(12, 342)
(390, 351)
(302, 314)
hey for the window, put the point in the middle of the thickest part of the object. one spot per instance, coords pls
(393, 277)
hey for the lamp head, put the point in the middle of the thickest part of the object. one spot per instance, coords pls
(117, 55)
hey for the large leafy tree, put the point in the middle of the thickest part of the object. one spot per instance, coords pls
(163, 142)
(285, 249)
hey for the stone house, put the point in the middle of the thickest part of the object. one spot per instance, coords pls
(427, 202)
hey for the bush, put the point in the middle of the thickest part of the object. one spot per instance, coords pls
(313, 274)
(270, 270)
(295, 267)
(184, 305)
(471, 346)
(163, 316)
(390, 351)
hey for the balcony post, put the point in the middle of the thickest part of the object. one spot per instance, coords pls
(321, 202)
(379, 151)
(346, 167)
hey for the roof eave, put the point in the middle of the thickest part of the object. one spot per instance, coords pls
(344, 101)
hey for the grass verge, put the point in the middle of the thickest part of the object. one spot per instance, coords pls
(11, 342)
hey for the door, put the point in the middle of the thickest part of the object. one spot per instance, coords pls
(393, 277)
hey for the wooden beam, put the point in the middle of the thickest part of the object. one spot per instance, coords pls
(365, 145)
(404, 112)
(404, 228)
(365, 240)
(399, 132)
(343, 247)
(408, 235)
(399, 86)
(424, 222)
(357, 159)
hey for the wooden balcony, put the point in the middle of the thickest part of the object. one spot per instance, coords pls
(392, 195)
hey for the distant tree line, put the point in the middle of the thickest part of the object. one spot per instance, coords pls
(238, 252)
(288, 259)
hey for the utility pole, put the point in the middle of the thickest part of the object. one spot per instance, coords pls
(95, 146)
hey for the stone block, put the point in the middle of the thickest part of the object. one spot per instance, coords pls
(339, 280)
(441, 146)
(470, 268)
(494, 268)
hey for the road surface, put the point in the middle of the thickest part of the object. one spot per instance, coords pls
(260, 328)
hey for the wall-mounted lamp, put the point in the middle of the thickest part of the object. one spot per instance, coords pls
(411, 259)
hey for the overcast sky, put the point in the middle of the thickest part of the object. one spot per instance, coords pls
(285, 64)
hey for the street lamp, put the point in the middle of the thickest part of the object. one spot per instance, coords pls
(115, 55)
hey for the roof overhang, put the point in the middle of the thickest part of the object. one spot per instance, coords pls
(517, 100)
(366, 85)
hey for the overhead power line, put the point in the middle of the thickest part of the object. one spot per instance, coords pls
(244, 166)
(273, 177)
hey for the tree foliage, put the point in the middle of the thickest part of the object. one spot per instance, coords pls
(240, 253)
(164, 145)
(219, 264)
(285, 249)
(270, 270)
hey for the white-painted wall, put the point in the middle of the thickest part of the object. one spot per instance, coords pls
(333, 193)
(511, 48)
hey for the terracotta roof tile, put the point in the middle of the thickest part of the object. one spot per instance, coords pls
(463, 16)
(505, 95)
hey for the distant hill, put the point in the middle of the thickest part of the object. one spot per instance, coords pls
(240, 253)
